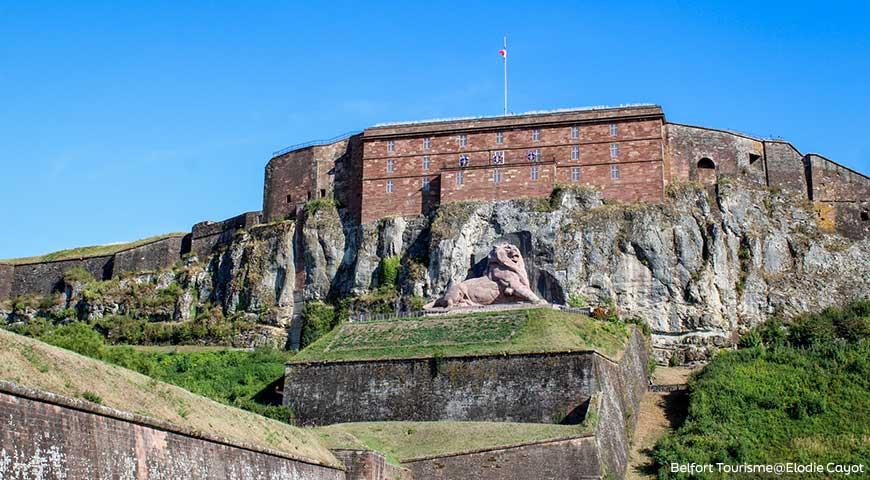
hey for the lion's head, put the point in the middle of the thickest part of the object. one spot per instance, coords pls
(509, 256)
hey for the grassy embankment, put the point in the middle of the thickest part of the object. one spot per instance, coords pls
(797, 392)
(503, 332)
(34, 364)
(90, 251)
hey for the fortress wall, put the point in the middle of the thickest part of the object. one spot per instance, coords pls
(536, 388)
(573, 459)
(622, 388)
(46, 436)
(369, 465)
(153, 256)
(785, 167)
(7, 276)
(205, 236)
(293, 178)
(841, 197)
(732, 153)
(43, 278)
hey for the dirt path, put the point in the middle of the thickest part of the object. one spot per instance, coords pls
(659, 414)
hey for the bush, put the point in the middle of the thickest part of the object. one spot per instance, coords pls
(390, 272)
(77, 275)
(416, 304)
(92, 397)
(577, 301)
(318, 319)
(78, 337)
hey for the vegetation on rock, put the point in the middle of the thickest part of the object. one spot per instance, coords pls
(798, 392)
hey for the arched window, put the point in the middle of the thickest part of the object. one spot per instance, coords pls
(706, 171)
(706, 163)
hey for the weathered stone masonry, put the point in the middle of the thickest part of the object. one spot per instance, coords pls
(47, 436)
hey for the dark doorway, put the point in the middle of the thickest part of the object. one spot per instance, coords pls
(706, 171)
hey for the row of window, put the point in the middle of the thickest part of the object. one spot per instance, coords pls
(498, 157)
(534, 174)
(499, 138)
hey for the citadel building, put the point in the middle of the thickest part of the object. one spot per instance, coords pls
(630, 153)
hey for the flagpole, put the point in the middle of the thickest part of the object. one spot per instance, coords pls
(505, 77)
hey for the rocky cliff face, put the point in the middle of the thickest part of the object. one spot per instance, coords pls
(699, 268)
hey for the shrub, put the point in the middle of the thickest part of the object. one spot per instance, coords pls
(318, 319)
(312, 206)
(390, 272)
(78, 337)
(751, 339)
(416, 304)
(92, 397)
(577, 301)
(77, 274)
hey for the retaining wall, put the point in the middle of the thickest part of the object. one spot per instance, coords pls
(535, 388)
(205, 236)
(47, 436)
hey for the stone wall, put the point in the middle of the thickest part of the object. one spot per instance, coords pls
(295, 177)
(841, 197)
(572, 459)
(785, 167)
(205, 236)
(46, 436)
(156, 255)
(369, 465)
(535, 388)
(7, 276)
(43, 278)
(731, 153)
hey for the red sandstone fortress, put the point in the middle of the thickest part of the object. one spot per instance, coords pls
(629, 153)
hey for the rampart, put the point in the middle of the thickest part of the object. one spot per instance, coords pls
(47, 436)
(205, 236)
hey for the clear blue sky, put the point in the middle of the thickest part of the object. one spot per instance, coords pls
(121, 120)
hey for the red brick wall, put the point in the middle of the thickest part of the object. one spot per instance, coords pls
(640, 150)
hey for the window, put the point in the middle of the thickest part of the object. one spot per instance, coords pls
(865, 215)
(322, 193)
(614, 172)
(498, 158)
(499, 137)
(754, 158)
(309, 194)
(614, 130)
(575, 174)
(426, 163)
(391, 146)
(536, 135)
(425, 184)
(460, 178)
(534, 155)
(289, 198)
(463, 160)
(575, 133)
(463, 141)
(536, 172)
(575, 152)
(614, 150)
(496, 176)
(391, 166)
(427, 143)
(390, 186)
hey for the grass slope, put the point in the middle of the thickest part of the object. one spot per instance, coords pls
(34, 364)
(502, 332)
(796, 393)
(403, 441)
(90, 251)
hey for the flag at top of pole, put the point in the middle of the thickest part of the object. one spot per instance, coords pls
(503, 53)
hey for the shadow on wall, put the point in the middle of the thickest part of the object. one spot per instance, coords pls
(543, 283)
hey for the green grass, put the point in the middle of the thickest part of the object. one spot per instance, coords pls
(403, 441)
(90, 251)
(241, 378)
(502, 332)
(799, 393)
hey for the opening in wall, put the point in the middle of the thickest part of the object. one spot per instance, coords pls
(754, 158)
(706, 171)
(322, 193)
(289, 198)
(865, 216)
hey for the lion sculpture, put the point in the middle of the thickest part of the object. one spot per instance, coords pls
(505, 281)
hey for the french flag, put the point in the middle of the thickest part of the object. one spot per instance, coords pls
(503, 53)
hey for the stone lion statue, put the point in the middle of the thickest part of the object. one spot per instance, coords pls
(505, 281)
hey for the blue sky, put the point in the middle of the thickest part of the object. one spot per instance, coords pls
(120, 120)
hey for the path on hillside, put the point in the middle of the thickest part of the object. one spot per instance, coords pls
(660, 412)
